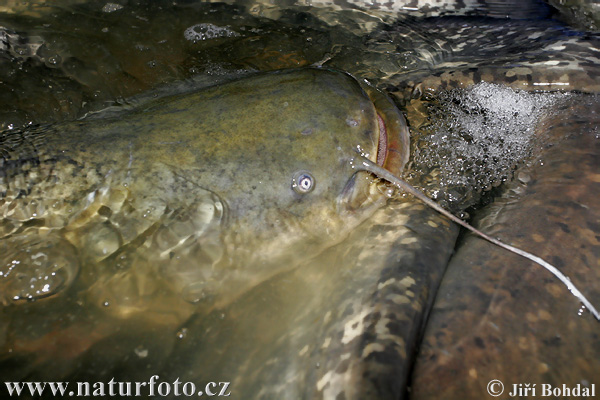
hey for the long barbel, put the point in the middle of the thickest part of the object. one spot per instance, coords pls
(369, 166)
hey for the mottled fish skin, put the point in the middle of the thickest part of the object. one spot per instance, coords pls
(342, 325)
(448, 53)
(432, 8)
(582, 14)
(497, 316)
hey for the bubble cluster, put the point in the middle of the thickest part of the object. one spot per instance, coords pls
(477, 136)
(208, 31)
(111, 7)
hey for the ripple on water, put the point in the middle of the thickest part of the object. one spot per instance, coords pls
(32, 269)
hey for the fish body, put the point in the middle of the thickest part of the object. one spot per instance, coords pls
(202, 188)
(346, 322)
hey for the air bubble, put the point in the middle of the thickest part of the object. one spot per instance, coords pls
(477, 137)
(182, 333)
(195, 293)
(111, 7)
(141, 352)
(208, 31)
(351, 122)
(54, 61)
(33, 269)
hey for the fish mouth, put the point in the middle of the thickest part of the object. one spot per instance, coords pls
(392, 140)
(382, 150)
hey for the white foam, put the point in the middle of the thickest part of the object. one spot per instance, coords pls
(111, 7)
(478, 135)
(207, 31)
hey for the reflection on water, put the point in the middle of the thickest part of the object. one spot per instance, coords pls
(62, 61)
(346, 320)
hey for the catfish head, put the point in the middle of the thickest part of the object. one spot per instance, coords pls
(297, 188)
(211, 192)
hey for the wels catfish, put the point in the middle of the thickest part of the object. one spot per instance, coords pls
(208, 193)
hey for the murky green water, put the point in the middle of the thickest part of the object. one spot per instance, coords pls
(343, 320)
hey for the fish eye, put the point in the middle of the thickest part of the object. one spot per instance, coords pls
(303, 182)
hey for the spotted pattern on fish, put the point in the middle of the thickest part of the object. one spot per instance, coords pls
(434, 8)
(582, 14)
(343, 325)
(445, 54)
(375, 334)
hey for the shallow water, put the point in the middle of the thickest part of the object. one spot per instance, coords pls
(64, 61)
